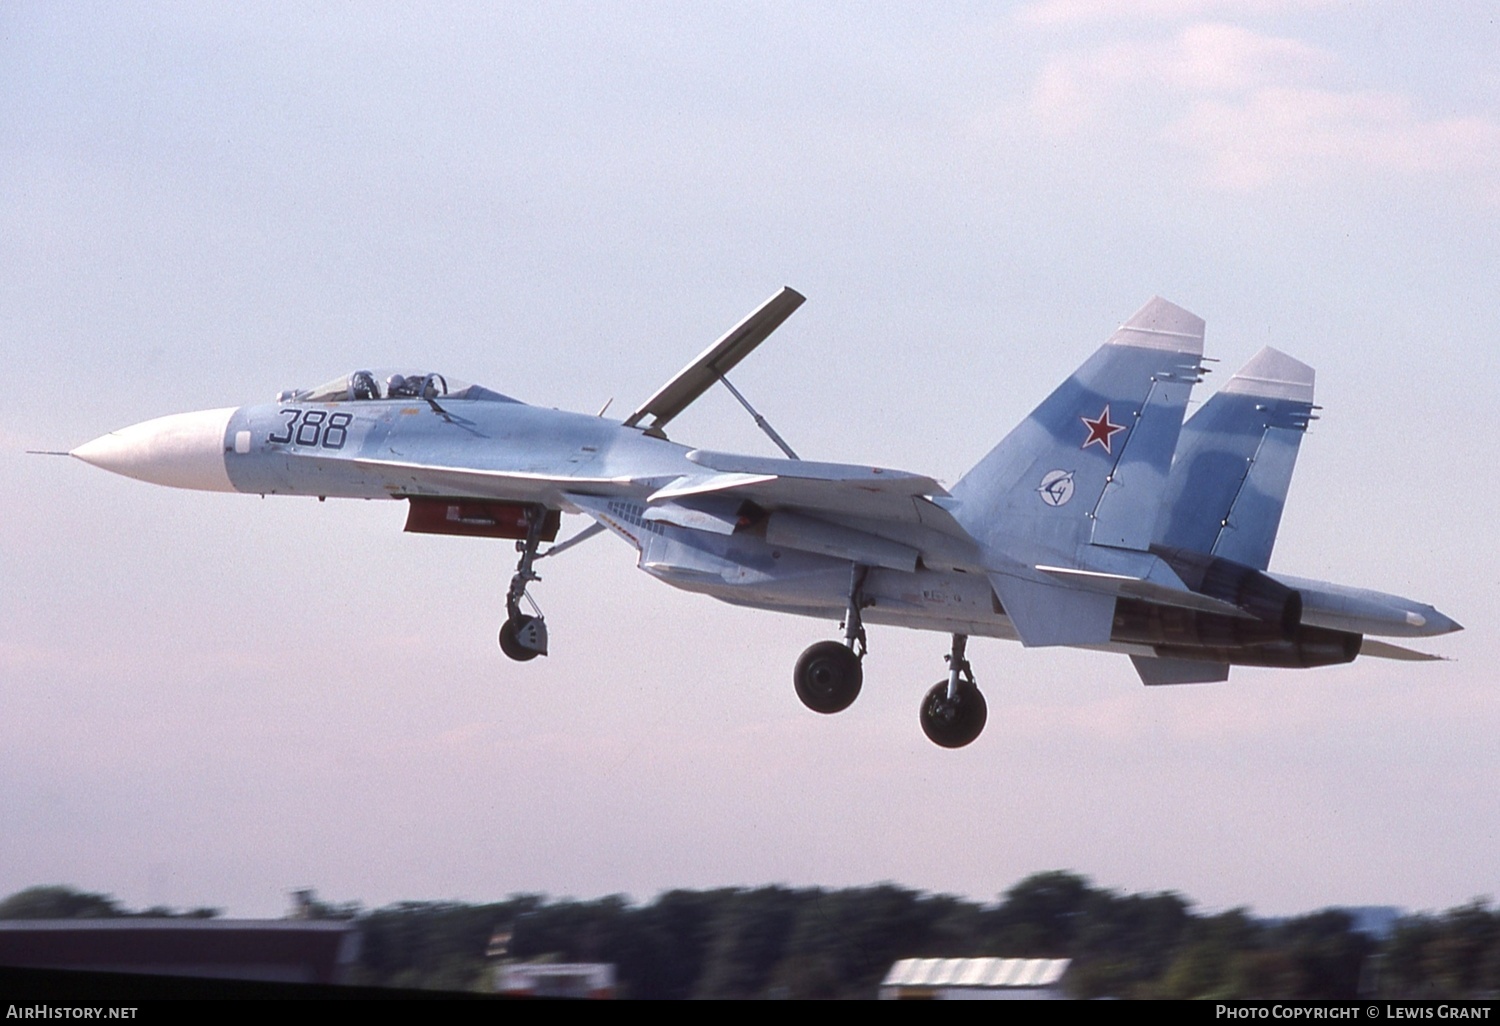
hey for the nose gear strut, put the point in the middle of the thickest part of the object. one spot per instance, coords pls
(523, 636)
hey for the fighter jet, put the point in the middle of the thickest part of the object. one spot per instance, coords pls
(1102, 521)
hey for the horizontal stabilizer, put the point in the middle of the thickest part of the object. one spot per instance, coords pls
(1179, 671)
(1143, 588)
(1047, 614)
(716, 361)
(1386, 650)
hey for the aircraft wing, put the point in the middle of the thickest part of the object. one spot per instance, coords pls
(845, 491)
(716, 361)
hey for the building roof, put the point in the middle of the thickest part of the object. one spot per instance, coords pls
(976, 972)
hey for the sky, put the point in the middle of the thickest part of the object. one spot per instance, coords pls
(212, 699)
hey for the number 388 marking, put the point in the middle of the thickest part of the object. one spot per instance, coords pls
(313, 427)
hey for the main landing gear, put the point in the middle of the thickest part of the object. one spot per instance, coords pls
(523, 636)
(829, 674)
(953, 711)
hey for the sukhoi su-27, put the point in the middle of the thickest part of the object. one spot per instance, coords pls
(1102, 521)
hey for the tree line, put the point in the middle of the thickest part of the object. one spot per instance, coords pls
(822, 943)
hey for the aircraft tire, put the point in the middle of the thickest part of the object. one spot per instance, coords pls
(510, 643)
(828, 677)
(953, 724)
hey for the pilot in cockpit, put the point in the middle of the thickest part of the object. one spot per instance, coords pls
(415, 386)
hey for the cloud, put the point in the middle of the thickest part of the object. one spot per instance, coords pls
(1060, 13)
(1254, 110)
(1310, 134)
(1080, 87)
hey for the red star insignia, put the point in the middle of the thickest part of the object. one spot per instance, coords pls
(1101, 431)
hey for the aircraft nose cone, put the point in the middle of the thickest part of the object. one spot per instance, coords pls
(1438, 623)
(185, 450)
(1429, 622)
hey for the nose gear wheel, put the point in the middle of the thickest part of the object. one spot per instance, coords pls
(523, 636)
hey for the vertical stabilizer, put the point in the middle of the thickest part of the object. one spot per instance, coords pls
(1088, 466)
(1090, 463)
(1228, 486)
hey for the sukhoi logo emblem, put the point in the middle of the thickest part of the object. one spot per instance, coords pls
(1056, 488)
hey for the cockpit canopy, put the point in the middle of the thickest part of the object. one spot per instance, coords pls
(386, 383)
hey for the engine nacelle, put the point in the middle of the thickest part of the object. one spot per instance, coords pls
(1256, 593)
(1312, 646)
(1145, 623)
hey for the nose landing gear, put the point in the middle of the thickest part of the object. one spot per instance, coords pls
(523, 636)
